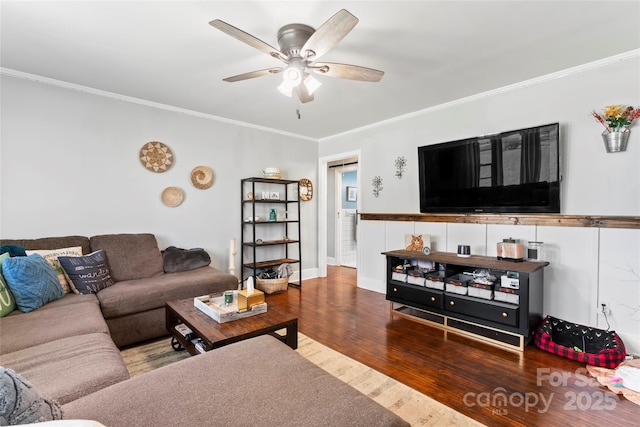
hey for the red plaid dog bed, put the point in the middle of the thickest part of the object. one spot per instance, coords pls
(580, 343)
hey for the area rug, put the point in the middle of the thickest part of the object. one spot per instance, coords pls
(413, 406)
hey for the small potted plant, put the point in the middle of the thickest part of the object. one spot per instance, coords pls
(616, 120)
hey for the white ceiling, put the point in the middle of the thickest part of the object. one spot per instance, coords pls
(432, 52)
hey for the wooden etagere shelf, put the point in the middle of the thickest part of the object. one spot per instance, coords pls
(258, 196)
(549, 220)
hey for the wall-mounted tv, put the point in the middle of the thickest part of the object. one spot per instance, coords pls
(510, 172)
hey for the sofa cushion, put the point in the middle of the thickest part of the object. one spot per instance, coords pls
(130, 256)
(21, 403)
(70, 299)
(50, 242)
(49, 324)
(51, 255)
(87, 274)
(32, 281)
(71, 367)
(259, 381)
(133, 296)
(7, 303)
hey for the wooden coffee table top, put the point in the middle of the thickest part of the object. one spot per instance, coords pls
(216, 334)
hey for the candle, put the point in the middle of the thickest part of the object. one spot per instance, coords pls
(232, 256)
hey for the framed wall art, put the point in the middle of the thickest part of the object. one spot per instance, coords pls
(352, 194)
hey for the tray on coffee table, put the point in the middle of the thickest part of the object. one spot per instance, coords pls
(214, 334)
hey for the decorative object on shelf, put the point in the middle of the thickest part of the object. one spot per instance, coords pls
(250, 195)
(510, 250)
(156, 156)
(273, 215)
(202, 177)
(172, 196)
(271, 173)
(464, 251)
(352, 194)
(426, 250)
(616, 120)
(306, 189)
(416, 242)
(401, 166)
(534, 251)
(376, 182)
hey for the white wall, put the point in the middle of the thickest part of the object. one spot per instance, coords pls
(70, 165)
(588, 266)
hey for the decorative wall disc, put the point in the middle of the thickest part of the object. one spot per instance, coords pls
(306, 189)
(172, 196)
(202, 177)
(156, 157)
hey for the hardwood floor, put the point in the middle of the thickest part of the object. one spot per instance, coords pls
(534, 387)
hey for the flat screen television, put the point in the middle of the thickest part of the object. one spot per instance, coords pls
(510, 172)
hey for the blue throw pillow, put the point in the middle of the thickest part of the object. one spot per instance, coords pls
(32, 281)
(87, 274)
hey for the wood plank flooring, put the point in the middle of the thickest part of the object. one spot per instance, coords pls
(494, 386)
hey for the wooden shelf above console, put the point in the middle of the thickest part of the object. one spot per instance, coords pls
(553, 220)
(470, 261)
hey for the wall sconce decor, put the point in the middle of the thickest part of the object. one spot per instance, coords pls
(377, 185)
(401, 166)
(616, 120)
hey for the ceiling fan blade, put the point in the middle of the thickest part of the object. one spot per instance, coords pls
(329, 34)
(248, 39)
(346, 71)
(253, 74)
(303, 94)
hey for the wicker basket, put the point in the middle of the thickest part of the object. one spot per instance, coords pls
(270, 286)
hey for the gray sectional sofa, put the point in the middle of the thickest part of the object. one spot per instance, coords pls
(68, 349)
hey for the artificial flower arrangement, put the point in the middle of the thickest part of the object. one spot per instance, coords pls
(617, 118)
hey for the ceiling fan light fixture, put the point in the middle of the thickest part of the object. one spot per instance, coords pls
(286, 88)
(311, 84)
(293, 74)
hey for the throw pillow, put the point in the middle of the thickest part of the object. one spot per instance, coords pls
(32, 281)
(13, 250)
(7, 303)
(21, 403)
(87, 274)
(52, 258)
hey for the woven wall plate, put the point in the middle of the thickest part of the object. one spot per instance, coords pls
(156, 157)
(202, 177)
(306, 189)
(172, 196)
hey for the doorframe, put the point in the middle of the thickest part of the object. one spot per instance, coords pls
(338, 172)
(323, 170)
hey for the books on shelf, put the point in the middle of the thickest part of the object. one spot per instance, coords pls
(198, 344)
(214, 307)
(185, 331)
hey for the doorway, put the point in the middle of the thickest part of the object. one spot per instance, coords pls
(346, 220)
(338, 207)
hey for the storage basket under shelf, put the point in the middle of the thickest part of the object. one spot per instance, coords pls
(271, 286)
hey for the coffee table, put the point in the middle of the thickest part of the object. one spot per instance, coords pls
(215, 334)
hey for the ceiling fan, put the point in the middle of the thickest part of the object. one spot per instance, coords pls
(300, 47)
